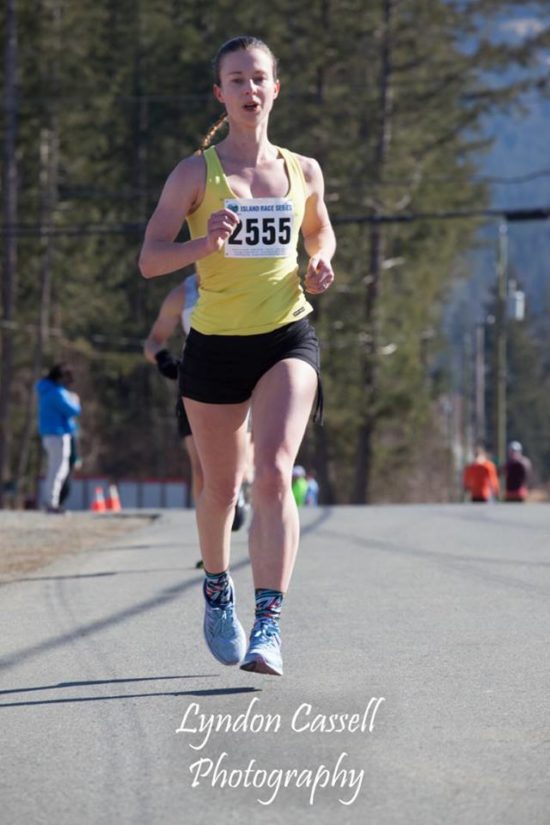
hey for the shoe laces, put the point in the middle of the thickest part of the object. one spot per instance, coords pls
(222, 621)
(265, 631)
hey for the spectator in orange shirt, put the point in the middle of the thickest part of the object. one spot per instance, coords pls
(480, 477)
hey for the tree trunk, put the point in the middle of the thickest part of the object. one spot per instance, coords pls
(367, 429)
(9, 208)
(320, 434)
(140, 127)
(48, 179)
(49, 163)
(361, 493)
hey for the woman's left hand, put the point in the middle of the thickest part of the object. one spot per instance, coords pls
(319, 276)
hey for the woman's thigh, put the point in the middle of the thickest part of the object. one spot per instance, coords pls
(281, 406)
(219, 432)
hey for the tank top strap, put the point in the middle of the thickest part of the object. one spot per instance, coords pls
(214, 168)
(295, 171)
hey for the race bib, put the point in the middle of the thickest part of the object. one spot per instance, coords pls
(265, 228)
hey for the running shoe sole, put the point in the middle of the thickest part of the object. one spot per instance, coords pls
(259, 665)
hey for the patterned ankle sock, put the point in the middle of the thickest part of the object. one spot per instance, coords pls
(268, 603)
(217, 588)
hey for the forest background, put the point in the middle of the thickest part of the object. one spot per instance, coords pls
(393, 97)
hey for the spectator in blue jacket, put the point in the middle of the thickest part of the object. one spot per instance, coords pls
(57, 412)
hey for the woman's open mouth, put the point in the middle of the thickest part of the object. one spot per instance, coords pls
(251, 107)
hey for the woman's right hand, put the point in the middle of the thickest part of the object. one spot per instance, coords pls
(221, 226)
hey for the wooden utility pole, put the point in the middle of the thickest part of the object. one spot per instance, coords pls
(467, 396)
(9, 212)
(361, 492)
(479, 380)
(500, 344)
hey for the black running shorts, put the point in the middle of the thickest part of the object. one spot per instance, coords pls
(224, 369)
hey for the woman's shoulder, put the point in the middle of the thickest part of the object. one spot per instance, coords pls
(312, 173)
(186, 181)
(309, 166)
(192, 166)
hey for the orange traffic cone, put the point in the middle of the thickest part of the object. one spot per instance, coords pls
(113, 499)
(98, 504)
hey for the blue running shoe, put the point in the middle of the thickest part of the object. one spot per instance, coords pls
(224, 633)
(264, 649)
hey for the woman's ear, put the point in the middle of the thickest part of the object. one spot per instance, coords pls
(277, 89)
(218, 94)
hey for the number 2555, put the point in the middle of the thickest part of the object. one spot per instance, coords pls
(268, 231)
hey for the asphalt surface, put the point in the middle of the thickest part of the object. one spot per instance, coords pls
(416, 686)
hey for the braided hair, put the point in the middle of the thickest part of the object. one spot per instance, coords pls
(212, 132)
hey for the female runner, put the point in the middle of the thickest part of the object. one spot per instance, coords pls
(251, 344)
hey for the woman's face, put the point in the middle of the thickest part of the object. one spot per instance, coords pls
(247, 86)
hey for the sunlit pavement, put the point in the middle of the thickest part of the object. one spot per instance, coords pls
(415, 643)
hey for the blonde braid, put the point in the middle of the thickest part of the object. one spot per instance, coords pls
(209, 137)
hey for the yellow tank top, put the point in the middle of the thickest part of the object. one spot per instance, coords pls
(255, 291)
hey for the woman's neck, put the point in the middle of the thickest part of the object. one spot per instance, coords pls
(250, 147)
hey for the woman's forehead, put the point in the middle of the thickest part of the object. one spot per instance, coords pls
(246, 60)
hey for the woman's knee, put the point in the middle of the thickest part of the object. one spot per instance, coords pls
(223, 493)
(272, 478)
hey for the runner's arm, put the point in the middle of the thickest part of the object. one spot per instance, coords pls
(319, 239)
(183, 191)
(167, 320)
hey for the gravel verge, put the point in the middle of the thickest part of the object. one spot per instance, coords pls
(30, 540)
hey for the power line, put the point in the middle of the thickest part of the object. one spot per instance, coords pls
(56, 332)
(76, 230)
(85, 192)
(80, 230)
(512, 215)
(541, 173)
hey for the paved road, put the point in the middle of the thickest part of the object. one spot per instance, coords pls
(416, 685)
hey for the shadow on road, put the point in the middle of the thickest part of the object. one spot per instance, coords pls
(166, 596)
(74, 699)
(88, 683)
(100, 575)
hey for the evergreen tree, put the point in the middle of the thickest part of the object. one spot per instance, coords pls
(114, 94)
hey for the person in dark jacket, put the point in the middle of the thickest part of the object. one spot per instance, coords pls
(57, 410)
(517, 472)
